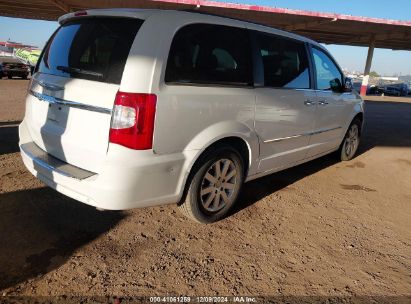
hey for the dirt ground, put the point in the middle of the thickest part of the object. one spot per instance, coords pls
(324, 228)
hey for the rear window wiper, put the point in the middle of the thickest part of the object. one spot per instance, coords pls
(67, 69)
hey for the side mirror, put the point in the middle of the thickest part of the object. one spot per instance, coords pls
(348, 85)
(336, 85)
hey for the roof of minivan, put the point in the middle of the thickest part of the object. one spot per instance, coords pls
(202, 17)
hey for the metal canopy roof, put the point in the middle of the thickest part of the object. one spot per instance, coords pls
(322, 27)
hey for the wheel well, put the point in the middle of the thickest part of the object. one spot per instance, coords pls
(235, 142)
(359, 116)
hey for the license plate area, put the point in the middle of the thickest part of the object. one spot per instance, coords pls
(57, 114)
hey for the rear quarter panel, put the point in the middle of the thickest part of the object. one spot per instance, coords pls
(188, 117)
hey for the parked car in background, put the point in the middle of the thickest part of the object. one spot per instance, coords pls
(397, 89)
(403, 89)
(2, 73)
(371, 89)
(12, 67)
(356, 86)
(136, 108)
(392, 91)
(381, 90)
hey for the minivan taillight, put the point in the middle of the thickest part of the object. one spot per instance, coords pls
(132, 122)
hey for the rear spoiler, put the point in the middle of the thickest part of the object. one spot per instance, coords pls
(119, 13)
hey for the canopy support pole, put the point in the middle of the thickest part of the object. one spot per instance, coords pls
(367, 69)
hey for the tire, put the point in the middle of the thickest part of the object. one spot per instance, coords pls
(24, 77)
(351, 141)
(9, 76)
(210, 195)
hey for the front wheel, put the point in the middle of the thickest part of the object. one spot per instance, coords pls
(351, 141)
(214, 186)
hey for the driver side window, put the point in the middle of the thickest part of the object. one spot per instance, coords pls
(327, 74)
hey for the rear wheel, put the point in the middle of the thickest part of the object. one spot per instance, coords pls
(351, 141)
(24, 77)
(9, 76)
(214, 186)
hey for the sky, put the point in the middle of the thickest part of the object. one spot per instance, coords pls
(386, 62)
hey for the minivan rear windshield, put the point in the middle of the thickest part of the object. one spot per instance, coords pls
(90, 48)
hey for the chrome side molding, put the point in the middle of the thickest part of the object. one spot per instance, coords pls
(284, 138)
(301, 135)
(73, 104)
(325, 130)
(48, 86)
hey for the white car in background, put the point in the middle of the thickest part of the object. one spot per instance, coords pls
(135, 108)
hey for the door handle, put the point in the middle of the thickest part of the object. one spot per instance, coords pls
(322, 103)
(309, 103)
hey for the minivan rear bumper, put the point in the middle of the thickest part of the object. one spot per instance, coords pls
(125, 181)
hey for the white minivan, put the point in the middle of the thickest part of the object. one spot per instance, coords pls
(134, 108)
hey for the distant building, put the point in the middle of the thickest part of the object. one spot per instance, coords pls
(9, 46)
(5, 51)
(405, 78)
(24, 52)
(389, 78)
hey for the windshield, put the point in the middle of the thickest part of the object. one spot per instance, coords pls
(93, 48)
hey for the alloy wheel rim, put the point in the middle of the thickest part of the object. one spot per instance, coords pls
(351, 141)
(218, 185)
